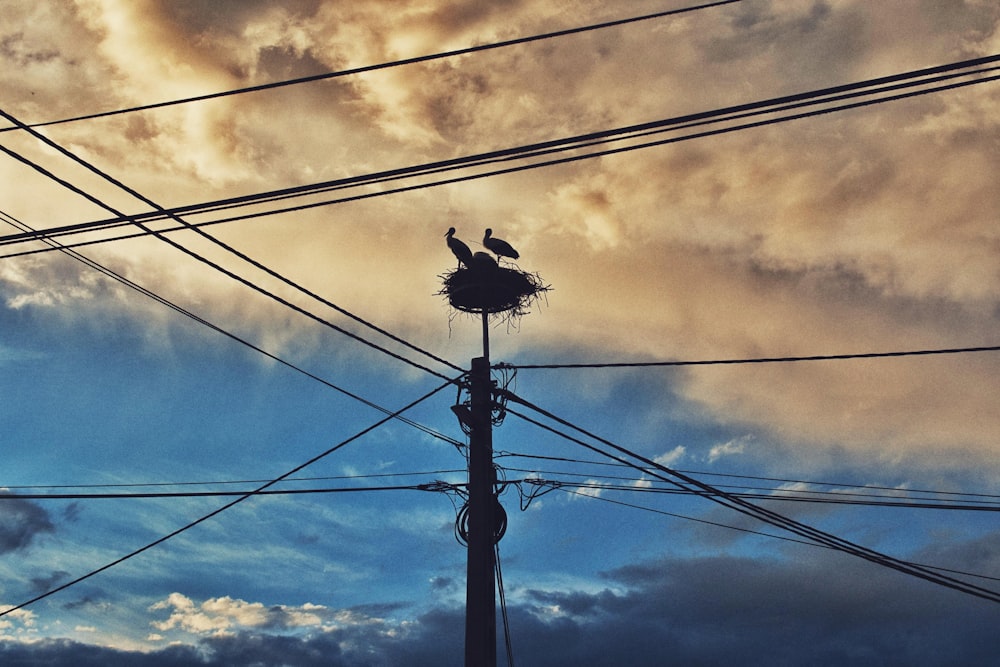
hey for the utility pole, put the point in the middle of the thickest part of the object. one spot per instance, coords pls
(481, 286)
(480, 596)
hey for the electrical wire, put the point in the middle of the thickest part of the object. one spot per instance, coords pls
(228, 505)
(784, 538)
(783, 480)
(703, 492)
(750, 509)
(827, 497)
(597, 479)
(435, 486)
(823, 96)
(396, 63)
(503, 605)
(538, 479)
(243, 497)
(14, 222)
(256, 264)
(246, 282)
(143, 485)
(787, 493)
(761, 360)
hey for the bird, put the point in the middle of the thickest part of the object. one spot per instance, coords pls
(483, 261)
(500, 247)
(460, 250)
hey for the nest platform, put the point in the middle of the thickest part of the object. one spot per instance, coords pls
(486, 287)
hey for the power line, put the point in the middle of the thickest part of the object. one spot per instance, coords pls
(140, 485)
(893, 493)
(822, 497)
(747, 508)
(256, 264)
(817, 497)
(783, 480)
(14, 222)
(396, 63)
(757, 360)
(436, 486)
(241, 498)
(508, 645)
(757, 532)
(215, 265)
(842, 93)
(228, 505)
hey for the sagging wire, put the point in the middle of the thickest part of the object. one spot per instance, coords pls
(454, 493)
(507, 385)
(499, 513)
(539, 488)
(463, 411)
(462, 523)
(538, 485)
(503, 607)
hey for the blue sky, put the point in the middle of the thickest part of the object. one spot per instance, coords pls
(868, 230)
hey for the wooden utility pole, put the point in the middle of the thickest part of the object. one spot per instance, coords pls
(481, 286)
(480, 596)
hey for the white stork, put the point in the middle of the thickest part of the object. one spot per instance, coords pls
(459, 249)
(500, 247)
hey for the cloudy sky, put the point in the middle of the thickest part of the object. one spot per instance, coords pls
(170, 364)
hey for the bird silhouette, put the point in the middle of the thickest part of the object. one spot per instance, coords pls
(500, 247)
(459, 249)
(483, 261)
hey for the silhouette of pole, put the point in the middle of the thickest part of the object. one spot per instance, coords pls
(486, 337)
(479, 285)
(480, 595)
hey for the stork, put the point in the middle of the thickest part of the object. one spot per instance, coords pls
(500, 247)
(459, 249)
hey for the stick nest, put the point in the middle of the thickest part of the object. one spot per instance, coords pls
(486, 287)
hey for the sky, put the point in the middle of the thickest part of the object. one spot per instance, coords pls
(871, 229)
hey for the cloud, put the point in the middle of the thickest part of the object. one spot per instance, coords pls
(444, 584)
(806, 606)
(868, 230)
(13, 355)
(91, 603)
(431, 639)
(729, 448)
(591, 487)
(668, 459)
(43, 584)
(434, 638)
(19, 620)
(225, 615)
(21, 522)
(727, 610)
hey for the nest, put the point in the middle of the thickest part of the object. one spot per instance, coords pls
(486, 287)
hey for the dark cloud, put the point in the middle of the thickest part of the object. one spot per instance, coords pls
(88, 602)
(21, 521)
(827, 609)
(72, 512)
(43, 584)
(978, 555)
(443, 584)
(837, 234)
(64, 652)
(228, 15)
(362, 645)
(274, 650)
(13, 46)
(379, 609)
(275, 63)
